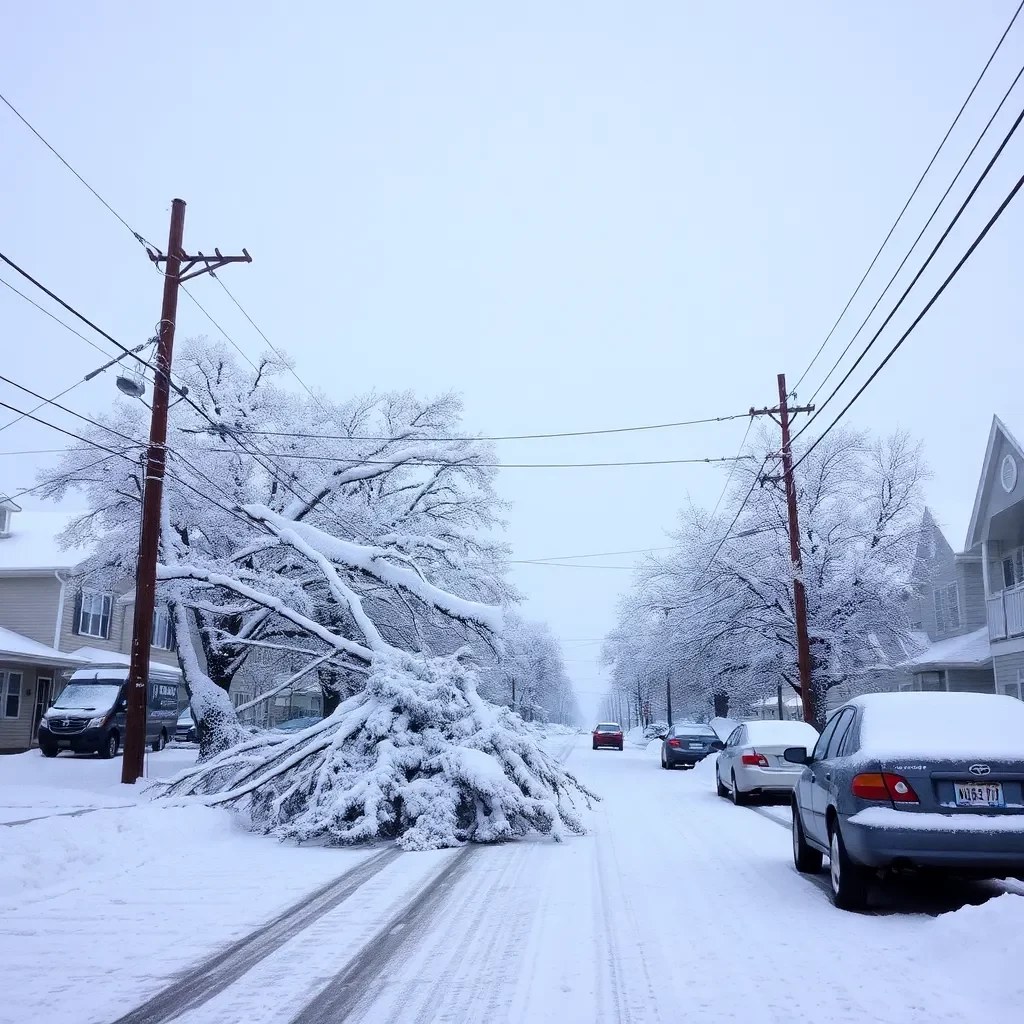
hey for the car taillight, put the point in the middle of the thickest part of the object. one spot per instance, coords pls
(756, 759)
(673, 743)
(883, 786)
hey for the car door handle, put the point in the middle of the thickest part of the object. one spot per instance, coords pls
(813, 779)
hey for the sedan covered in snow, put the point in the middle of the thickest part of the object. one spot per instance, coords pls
(687, 743)
(753, 762)
(608, 734)
(912, 780)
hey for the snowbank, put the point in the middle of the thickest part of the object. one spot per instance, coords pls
(889, 817)
(789, 734)
(635, 737)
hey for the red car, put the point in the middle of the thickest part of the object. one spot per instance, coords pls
(608, 734)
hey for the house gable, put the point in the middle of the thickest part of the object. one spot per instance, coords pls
(1001, 484)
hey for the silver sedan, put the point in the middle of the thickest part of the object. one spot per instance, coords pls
(752, 763)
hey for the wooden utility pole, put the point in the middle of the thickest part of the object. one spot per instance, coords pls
(177, 267)
(668, 694)
(803, 646)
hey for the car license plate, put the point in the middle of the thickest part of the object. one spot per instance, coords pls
(695, 746)
(63, 743)
(979, 794)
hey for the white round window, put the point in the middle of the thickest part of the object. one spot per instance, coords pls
(1008, 474)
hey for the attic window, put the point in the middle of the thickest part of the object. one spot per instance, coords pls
(1008, 474)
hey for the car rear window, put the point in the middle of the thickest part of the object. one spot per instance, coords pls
(607, 728)
(942, 725)
(790, 734)
(695, 730)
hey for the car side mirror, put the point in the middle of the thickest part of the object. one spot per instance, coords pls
(717, 745)
(796, 755)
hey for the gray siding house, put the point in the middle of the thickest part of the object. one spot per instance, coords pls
(995, 539)
(52, 622)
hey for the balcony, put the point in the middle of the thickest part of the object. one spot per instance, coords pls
(1006, 614)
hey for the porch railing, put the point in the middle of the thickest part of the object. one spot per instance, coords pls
(1006, 614)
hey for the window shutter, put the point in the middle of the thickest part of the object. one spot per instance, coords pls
(77, 622)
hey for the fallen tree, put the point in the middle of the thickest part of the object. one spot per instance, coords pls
(416, 755)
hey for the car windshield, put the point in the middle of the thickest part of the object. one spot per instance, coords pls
(608, 728)
(185, 718)
(88, 696)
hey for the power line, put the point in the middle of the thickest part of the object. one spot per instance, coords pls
(924, 266)
(480, 465)
(70, 433)
(43, 309)
(593, 554)
(21, 117)
(71, 309)
(276, 351)
(913, 193)
(202, 309)
(572, 565)
(920, 234)
(502, 437)
(62, 476)
(920, 316)
(64, 408)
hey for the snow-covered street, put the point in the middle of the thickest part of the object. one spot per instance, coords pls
(677, 903)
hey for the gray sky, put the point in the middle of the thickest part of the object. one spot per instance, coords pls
(579, 215)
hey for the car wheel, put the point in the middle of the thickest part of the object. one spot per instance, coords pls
(664, 763)
(109, 748)
(849, 880)
(806, 859)
(722, 791)
(160, 742)
(738, 798)
(620, 746)
(48, 751)
(595, 746)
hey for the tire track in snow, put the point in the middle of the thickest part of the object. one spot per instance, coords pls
(354, 986)
(199, 985)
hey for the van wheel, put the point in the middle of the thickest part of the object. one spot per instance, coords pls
(48, 751)
(109, 748)
(160, 742)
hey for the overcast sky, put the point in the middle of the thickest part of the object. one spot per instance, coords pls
(578, 215)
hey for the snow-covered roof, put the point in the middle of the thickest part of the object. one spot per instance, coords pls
(14, 646)
(968, 651)
(120, 662)
(32, 544)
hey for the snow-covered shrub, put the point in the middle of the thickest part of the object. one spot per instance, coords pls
(417, 756)
(656, 731)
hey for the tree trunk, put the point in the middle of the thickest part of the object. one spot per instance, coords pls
(721, 703)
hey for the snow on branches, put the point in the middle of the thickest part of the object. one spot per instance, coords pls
(720, 611)
(417, 755)
(351, 542)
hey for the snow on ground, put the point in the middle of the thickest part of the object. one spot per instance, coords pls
(677, 904)
(33, 786)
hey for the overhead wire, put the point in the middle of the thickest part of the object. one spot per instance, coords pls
(920, 234)
(931, 255)
(920, 316)
(914, 192)
(28, 124)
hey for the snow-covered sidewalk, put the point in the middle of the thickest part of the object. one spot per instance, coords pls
(677, 904)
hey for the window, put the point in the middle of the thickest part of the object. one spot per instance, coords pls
(843, 720)
(92, 614)
(825, 738)
(163, 631)
(1014, 689)
(947, 608)
(932, 680)
(1013, 569)
(10, 694)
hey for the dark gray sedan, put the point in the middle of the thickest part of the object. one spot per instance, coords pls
(912, 780)
(687, 743)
